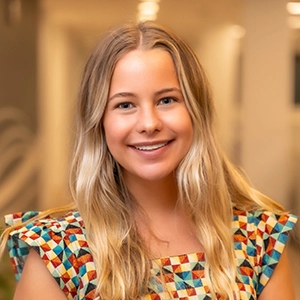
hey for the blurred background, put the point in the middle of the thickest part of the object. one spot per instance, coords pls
(250, 50)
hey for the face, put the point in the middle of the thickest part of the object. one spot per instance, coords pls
(147, 126)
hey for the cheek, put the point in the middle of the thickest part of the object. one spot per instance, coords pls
(116, 133)
(110, 138)
(185, 126)
(108, 131)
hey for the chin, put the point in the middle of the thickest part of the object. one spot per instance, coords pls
(158, 177)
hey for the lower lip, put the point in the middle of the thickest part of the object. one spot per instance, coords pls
(155, 153)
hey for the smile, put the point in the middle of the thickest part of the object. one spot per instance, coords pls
(151, 147)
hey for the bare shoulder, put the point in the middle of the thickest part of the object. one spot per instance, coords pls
(280, 285)
(36, 282)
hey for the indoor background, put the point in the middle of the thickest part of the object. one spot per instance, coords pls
(249, 48)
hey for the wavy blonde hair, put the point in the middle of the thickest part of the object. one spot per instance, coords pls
(208, 184)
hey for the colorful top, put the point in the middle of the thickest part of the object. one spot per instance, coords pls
(259, 240)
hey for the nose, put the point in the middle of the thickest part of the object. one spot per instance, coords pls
(149, 121)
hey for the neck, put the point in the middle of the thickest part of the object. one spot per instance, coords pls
(154, 196)
(164, 228)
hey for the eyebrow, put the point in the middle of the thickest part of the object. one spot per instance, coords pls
(167, 90)
(160, 92)
(121, 95)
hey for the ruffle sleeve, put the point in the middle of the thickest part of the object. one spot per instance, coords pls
(62, 245)
(272, 232)
(260, 238)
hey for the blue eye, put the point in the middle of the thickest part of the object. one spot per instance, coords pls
(124, 105)
(167, 100)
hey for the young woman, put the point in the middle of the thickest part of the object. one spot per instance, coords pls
(159, 212)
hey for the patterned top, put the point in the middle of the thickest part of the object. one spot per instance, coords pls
(259, 240)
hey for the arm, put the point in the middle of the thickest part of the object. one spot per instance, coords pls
(36, 282)
(280, 285)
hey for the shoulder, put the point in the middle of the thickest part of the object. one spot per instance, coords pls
(282, 277)
(71, 219)
(60, 242)
(36, 230)
(44, 284)
(263, 221)
(262, 231)
(260, 238)
(44, 233)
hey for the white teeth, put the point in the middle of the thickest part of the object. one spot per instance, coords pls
(150, 147)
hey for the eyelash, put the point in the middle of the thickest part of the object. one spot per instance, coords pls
(120, 105)
(166, 98)
(129, 105)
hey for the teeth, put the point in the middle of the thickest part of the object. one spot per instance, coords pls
(150, 147)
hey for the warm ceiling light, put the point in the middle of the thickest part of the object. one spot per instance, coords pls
(293, 8)
(147, 10)
(156, 1)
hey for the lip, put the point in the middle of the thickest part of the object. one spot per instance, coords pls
(150, 146)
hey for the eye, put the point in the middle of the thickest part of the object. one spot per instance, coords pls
(166, 100)
(124, 105)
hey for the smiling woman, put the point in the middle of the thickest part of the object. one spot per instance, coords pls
(147, 126)
(159, 212)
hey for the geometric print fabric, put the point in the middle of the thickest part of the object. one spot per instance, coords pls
(259, 240)
(62, 246)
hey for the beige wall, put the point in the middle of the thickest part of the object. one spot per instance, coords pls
(18, 106)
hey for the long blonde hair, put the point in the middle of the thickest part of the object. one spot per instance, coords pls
(209, 185)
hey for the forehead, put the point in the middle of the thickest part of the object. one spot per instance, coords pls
(140, 56)
(145, 61)
(144, 67)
